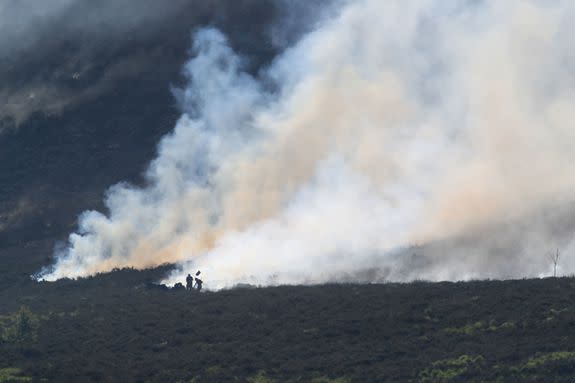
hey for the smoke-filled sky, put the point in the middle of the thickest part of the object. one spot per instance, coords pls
(39, 33)
(393, 140)
(77, 50)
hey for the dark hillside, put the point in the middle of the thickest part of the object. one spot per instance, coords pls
(80, 112)
(116, 328)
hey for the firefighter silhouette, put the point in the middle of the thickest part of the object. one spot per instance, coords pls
(199, 282)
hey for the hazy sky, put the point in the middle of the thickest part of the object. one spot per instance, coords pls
(78, 49)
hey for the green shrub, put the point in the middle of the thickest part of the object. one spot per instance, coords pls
(325, 379)
(261, 377)
(20, 327)
(543, 365)
(469, 329)
(447, 370)
(12, 375)
(214, 370)
(440, 375)
(542, 359)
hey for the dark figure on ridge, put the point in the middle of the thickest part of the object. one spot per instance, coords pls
(198, 282)
(189, 282)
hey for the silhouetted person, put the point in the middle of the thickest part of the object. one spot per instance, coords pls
(189, 282)
(179, 286)
(198, 282)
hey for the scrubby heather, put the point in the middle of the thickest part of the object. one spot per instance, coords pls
(113, 328)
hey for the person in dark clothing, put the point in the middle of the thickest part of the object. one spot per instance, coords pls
(189, 282)
(198, 282)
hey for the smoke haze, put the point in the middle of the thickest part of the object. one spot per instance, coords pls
(392, 141)
(76, 51)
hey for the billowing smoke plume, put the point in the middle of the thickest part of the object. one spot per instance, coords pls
(390, 124)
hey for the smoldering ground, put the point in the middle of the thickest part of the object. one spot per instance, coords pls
(439, 125)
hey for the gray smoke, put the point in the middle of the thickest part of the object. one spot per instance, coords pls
(405, 137)
(72, 51)
(65, 41)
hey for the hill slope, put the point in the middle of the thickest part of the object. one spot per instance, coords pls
(116, 328)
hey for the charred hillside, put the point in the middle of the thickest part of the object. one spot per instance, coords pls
(116, 327)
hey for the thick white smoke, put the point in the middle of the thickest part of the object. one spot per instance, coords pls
(393, 123)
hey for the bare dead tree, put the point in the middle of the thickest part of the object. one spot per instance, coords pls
(554, 258)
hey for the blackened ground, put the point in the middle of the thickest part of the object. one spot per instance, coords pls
(114, 327)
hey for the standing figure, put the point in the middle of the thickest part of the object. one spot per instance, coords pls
(198, 281)
(189, 282)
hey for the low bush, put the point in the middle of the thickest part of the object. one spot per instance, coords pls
(325, 379)
(261, 377)
(20, 327)
(13, 375)
(448, 370)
